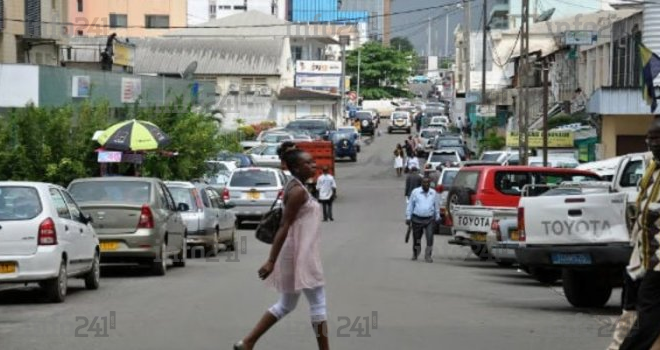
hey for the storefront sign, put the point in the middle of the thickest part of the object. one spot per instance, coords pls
(318, 67)
(109, 157)
(556, 139)
(123, 54)
(131, 88)
(80, 86)
(318, 81)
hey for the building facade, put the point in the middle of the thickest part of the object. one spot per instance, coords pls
(201, 11)
(144, 18)
(379, 23)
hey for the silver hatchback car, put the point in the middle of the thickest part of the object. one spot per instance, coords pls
(253, 191)
(209, 221)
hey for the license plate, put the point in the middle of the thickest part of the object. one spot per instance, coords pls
(7, 267)
(108, 246)
(473, 223)
(479, 237)
(254, 195)
(515, 235)
(571, 259)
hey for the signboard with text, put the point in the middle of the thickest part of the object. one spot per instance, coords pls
(80, 86)
(318, 81)
(556, 139)
(124, 54)
(131, 88)
(580, 37)
(318, 67)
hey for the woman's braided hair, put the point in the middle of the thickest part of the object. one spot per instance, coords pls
(289, 154)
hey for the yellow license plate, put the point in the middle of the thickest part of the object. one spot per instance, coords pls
(254, 195)
(515, 235)
(480, 237)
(109, 246)
(7, 267)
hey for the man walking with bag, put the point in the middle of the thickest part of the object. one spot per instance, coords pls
(422, 212)
(327, 189)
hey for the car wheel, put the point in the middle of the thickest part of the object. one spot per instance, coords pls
(586, 288)
(353, 158)
(389, 131)
(504, 263)
(180, 260)
(358, 149)
(159, 265)
(56, 288)
(93, 277)
(457, 196)
(544, 275)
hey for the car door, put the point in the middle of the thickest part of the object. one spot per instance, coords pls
(88, 239)
(218, 213)
(175, 225)
(69, 238)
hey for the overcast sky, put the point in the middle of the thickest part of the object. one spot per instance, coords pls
(414, 25)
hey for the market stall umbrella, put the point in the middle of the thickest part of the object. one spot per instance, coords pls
(134, 135)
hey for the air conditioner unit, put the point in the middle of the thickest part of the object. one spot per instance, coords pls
(234, 88)
(265, 91)
(252, 89)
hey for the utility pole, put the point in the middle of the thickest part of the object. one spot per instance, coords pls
(523, 106)
(466, 41)
(545, 112)
(358, 77)
(428, 43)
(483, 56)
(343, 41)
(447, 34)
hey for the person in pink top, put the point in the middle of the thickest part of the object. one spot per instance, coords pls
(294, 265)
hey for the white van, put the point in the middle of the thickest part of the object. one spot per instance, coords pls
(384, 107)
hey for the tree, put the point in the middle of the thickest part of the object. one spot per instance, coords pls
(402, 44)
(381, 68)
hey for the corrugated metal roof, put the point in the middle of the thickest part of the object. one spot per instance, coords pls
(614, 101)
(213, 56)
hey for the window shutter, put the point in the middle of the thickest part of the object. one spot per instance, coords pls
(33, 18)
(2, 15)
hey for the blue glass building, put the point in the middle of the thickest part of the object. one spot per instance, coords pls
(324, 11)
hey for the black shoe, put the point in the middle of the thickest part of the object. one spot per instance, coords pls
(414, 258)
(325, 220)
(428, 259)
(331, 219)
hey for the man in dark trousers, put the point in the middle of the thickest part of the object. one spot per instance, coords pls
(327, 190)
(413, 180)
(422, 212)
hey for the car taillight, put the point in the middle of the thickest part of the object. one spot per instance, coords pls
(146, 218)
(439, 188)
(198, 200)
(225, 195)
(521, 224)
(47, 232)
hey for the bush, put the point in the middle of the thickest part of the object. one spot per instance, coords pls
(248, 131)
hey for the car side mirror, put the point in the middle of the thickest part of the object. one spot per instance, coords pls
(229, 205)
(183, 207)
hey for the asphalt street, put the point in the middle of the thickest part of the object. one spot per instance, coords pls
(377, 297)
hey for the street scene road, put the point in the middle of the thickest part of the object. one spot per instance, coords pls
(377, 298)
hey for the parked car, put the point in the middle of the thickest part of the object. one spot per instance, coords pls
(344, 145)
(439, 122)
(276, 135)
(45, 238)
(448, 158)
(357, 138)
(136, 218)
(579, 233)
(477, 190)
(265, 156)
(495, 156)
(367, 125)
(453, 142)
(209, 221)
(554, 162)
(218, 173)
(442, 188)
(400, 120)
(253, 191)
(429, 136)
(241, 160)
(318, 127)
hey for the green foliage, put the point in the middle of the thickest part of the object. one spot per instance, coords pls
(247, 131)
(380, 67)
(564, 119)
(402, 44)
(492, 142)
(55, 144)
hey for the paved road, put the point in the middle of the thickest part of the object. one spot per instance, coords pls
(454, 303)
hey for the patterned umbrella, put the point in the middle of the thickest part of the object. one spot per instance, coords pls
(134, 135)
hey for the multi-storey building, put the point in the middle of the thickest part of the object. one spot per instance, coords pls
(144, 18)
(379, 16)
(202, 11)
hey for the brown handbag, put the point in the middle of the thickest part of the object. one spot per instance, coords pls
(269, 224)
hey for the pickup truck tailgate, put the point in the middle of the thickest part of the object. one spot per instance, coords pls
(575, 219)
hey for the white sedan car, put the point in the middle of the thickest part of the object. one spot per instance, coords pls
(265, 156)
(45, 238)
(439, 122)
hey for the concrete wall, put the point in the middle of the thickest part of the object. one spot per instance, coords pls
(290, 110)
(98, 12)
(621, 125)
(8, 37)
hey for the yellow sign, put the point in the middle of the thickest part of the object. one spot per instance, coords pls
(123, 54)
(556, 139)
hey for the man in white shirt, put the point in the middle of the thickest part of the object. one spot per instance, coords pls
(327, 188)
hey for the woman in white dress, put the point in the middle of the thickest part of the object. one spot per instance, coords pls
(398, 159)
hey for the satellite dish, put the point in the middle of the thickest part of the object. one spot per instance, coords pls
(546, 15)
(190, 70)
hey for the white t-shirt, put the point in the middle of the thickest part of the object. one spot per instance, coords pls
(413, 162)
(324, 185)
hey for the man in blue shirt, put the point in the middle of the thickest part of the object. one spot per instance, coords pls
(422, 212)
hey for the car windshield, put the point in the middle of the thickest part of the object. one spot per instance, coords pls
(269, 151)
(566, 191)
(120, 192)
(400, 115)
(19, 203)
(253, 178)
(215, 167)
(183, 195)
(448, 178)
(310, 125)
(443, 157)
(276, 138)
(336, 137)
(363, 115)
(428, 134)
(491, 157)
(446, 142)
(346, 130)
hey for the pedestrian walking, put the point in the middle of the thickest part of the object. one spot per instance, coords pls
(418, 121)
(327, 190)
(398, 159)
(422, 213)
(413, 162)
(641, 295)
(413, 181)
(294, 264)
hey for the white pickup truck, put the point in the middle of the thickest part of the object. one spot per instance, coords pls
(578, 229)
